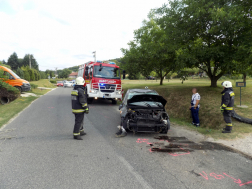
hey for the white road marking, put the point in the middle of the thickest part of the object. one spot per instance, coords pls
(136, 175)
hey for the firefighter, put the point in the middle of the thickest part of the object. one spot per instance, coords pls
(227, 105)
(79, 107)
(194, 107)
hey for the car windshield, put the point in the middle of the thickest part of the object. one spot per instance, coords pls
(15, 75)
(133, 94)
(106, 72)
(59, 82)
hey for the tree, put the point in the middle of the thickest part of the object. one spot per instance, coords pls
(50, 73)
(13, 61)
(65, 73)
(20, 73)
(213, 33)
(26, 61)
(151, 50)
(42, 75)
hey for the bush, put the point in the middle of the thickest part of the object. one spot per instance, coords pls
(20, 73)
(26, 75)
(53, 81)
(8, 91)
(31, 73)
(34, 86)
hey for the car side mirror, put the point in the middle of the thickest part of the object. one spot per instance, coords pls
(120, 106)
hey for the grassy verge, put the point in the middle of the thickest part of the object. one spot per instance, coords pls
(8, 111)
(43, 83)
(178, 98)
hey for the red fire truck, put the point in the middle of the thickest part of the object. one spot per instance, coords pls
(102, 80)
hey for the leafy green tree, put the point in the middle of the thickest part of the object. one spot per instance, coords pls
(20, 73)
(65, 73)
(26, 61)
(13, 61)
(27, 75)
(151, 50)
(215, 34)
(50, 73)
(42, 75)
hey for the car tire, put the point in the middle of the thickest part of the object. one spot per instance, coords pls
(124, 124)
(114, 101)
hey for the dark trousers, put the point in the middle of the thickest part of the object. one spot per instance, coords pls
(227, 117)
(195, 115)
(79, 118)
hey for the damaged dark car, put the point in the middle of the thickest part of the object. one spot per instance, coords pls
(143, 110)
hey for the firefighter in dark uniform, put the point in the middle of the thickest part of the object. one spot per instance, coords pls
(79, 107)
(227, 105)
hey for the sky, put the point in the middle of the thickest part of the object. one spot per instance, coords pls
(64, 33)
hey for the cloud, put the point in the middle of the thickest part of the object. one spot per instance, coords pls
(82, 56)
(65, 34)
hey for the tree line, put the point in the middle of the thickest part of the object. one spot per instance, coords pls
(21, 66)
(214, 36)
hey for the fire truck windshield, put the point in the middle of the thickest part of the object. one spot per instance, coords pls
(106, 72)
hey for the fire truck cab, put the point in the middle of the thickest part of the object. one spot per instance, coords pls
(102, 80)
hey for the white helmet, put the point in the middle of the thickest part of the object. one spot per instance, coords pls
(227, 84)
(79, 81)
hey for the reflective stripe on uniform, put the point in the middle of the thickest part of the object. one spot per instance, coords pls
(81, 130)
(224, 105)
(229, 124)
(77, 110)
(74, 92)
(232, 94)
(229, 108)
(76, 134)
(84, 105)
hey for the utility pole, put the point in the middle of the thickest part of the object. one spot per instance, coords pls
(30, 60)
(94, 55)
(56, 71)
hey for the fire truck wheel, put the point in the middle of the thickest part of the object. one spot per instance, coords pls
(90, 100)
(114, 101)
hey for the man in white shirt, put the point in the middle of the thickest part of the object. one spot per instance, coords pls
(194, 107)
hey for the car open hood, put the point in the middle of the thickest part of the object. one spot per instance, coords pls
(147, 97)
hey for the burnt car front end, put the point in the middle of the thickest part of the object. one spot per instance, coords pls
(146, 113)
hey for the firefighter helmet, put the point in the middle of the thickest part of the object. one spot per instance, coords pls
(227, 84)
(79, 81)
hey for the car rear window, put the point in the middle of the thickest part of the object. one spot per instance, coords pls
(133, 94)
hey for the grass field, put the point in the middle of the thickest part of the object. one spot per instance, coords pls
(178, 98)
(43, 83)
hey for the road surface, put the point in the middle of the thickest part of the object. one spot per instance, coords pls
(44, 155)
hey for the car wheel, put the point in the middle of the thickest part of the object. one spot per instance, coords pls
(114, 101)
(124, 124)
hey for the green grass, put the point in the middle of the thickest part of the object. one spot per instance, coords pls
(10, 110)
(39, 91)
(178, 98)
(43, 83)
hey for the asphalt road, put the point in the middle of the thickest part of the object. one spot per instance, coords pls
(44, 155)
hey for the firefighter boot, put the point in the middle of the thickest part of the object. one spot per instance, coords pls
(228, 129)
(82, 133)
(78, 137)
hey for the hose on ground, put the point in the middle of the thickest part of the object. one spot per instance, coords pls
(241, 119)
